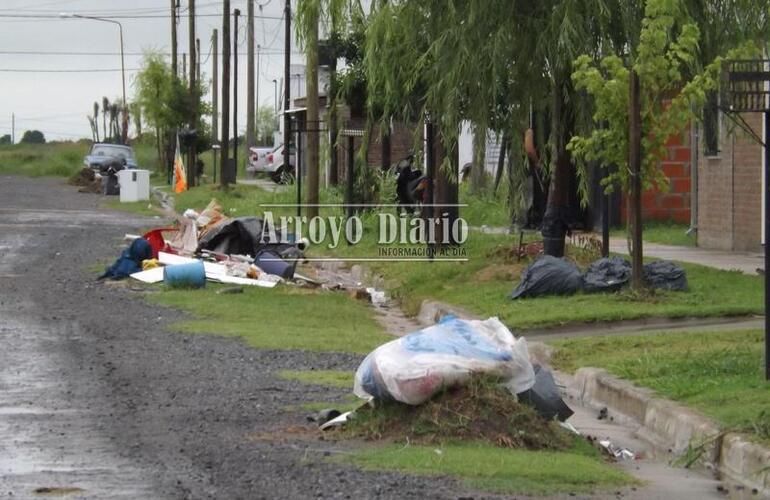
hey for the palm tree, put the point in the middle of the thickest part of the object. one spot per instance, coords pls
(105, 110)
(96, 121)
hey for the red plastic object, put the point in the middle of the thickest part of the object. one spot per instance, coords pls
(156, 240)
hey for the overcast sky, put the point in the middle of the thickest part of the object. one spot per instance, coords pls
(57, 102)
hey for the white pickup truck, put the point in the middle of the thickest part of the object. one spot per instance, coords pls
(270, 161)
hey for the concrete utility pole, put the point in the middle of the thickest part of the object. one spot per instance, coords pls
(236, 13)
(215, 88)
(193, 125)
(313, 124)
(174, 66)
(225, 141)
(635, 167)
(256, 108)
(198, 59)
(184, 63)
(286, 100)
(249, 76)
(13, 128)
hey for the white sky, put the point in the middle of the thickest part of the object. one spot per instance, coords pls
(57, 103)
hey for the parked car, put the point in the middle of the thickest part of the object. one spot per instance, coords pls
(270, 162)
(103, 155)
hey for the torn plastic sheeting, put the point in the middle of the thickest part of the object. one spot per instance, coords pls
(337, 421)
(415, 367)
(614, 451)
(549, 275)
(241, 235)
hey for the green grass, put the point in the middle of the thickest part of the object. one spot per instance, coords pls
(331, 378)
(719, 373)
(482, 284)
(283, 317)
(54, 159)
(664, 233)
(499, 470)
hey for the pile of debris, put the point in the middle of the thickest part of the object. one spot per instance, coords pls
(209, 246)
(467, 379)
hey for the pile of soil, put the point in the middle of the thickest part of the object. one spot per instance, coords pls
(86, 179)
(480, 410)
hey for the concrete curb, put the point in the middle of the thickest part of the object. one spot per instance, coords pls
(674, 429)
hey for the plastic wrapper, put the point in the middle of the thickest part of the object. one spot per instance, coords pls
(415, 367)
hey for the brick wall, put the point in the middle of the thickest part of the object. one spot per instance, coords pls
(730, 191)
(674, 204)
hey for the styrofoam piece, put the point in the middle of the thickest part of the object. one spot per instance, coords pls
(154, 275)
(234, 280)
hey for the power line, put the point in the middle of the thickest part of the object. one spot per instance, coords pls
(20, 70)
(117, 16)
(269, 51)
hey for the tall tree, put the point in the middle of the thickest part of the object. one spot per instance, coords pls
(96, 121)
(105, 111)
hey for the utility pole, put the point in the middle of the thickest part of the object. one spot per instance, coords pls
(249, 75)
(184, 64)
(198, 59)
(193, 126)
(313, 124)
(174, 67)
(225, 142)
(256, 108)
(635, 167)
(215, 88)
(236, 13)
(13, 128)
(286, 85)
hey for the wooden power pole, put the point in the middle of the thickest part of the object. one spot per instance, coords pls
(225, 150)
(215, 88)
(174, 66)
(249, 75)
(193, 125)
(635, 167)
(236, 13)
(313, 124)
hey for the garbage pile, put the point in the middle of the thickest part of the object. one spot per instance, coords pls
(209, 246)
(557, 276)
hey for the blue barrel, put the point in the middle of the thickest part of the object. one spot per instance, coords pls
(192, 275)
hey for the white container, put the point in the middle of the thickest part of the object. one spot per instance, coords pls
(134, 185)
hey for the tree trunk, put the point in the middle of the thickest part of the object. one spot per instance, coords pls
(192, 155)
(501, 159)
(250, 121)
(556, 215)
(635, 167)
(446, 190)
(479, 155)
(312, 115)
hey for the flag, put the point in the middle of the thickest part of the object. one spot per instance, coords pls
(180, 176)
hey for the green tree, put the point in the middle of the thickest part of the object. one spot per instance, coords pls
(666, 54)
(5, 139)
(164, 103)
(265, 126)
(33, 137)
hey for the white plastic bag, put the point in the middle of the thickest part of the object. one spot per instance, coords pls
(415, 367)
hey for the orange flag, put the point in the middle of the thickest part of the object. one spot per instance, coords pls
(180, 176)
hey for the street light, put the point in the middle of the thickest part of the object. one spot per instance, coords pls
(275, 94)
(66, 15)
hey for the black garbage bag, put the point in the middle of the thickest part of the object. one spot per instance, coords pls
(545, 397)
(244, 236)
(549, 276)
(607, 275)
(665, 275)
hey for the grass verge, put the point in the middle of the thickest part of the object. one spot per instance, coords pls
(331, 378)
(663, 233)
(55, 159)
(486, 467)
(720, 374)
(283, 317)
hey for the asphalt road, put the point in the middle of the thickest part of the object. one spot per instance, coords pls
(96, 394)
